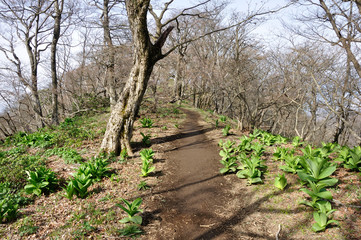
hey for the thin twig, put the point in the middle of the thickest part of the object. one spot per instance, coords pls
(337, 202)
(279, 230)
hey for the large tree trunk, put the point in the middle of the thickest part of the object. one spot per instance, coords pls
(120, 125)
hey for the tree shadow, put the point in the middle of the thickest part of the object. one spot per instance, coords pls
(238, 217)
(149, 217)
(162, 160)
(177, 188)
(188, 145)
(156, 174)
(180, 135)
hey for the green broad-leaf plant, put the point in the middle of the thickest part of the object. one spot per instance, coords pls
(79, 185)
(229, 160)
(280, 181)
(146, 139)
(322, 221)
(291, 164)
(146, 122)
(317, 170)
(131, 208)
(146, 154)
(317, 192)
(226, 129)
(250, 169)
(147, 167)
(42, 180)
(354, 161)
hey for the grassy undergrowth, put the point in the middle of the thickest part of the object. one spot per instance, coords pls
(53, 181)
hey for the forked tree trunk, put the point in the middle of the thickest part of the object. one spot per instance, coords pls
(120, 125)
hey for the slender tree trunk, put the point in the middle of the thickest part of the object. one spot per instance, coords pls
(110, 55)
(54, 78)
(178, 79)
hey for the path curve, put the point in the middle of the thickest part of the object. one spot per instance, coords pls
(194, 193)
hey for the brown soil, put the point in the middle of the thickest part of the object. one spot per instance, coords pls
(192, 192)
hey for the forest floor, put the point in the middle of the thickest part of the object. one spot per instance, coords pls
(188, 197)
(196, 202)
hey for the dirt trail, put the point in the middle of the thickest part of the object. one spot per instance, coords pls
(193, 191)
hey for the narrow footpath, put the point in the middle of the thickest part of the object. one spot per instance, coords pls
(192, 192)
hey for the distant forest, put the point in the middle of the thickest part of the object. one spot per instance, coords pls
(62, 58)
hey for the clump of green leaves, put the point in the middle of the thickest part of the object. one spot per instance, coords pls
(175, 111)
(257, 149)
(147, 154)
(146, 122)
(15, 162)
(281, 153)
(322, 216)
(147, 167)
(68, 154)
(228, 157)
(317, 192)
(37, 139)
(297, 142)
(251, 168)
(131, 208)
(281, 140)
(291, 164)
(143, 185)
(353, 160)
(280, 181)
(322, 221)
(130, 231)
(42, 180)
(78, 185)
(226, 129)
(245, 144)
(27, 227)
(146, 139)
(316, 171)
(10, 200)
(87, 173)
(97, 168)
(8, 210)
(147, 161)
(123, 155)
(223, 118)
(267, 138)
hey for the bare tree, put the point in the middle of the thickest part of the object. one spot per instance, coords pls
(58, 10)
(337, 22)
(29, 22)
(146, 54)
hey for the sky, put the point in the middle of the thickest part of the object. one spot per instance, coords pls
(266, 31)
(269, 30)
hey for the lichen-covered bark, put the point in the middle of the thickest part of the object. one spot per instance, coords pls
(120, 125)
